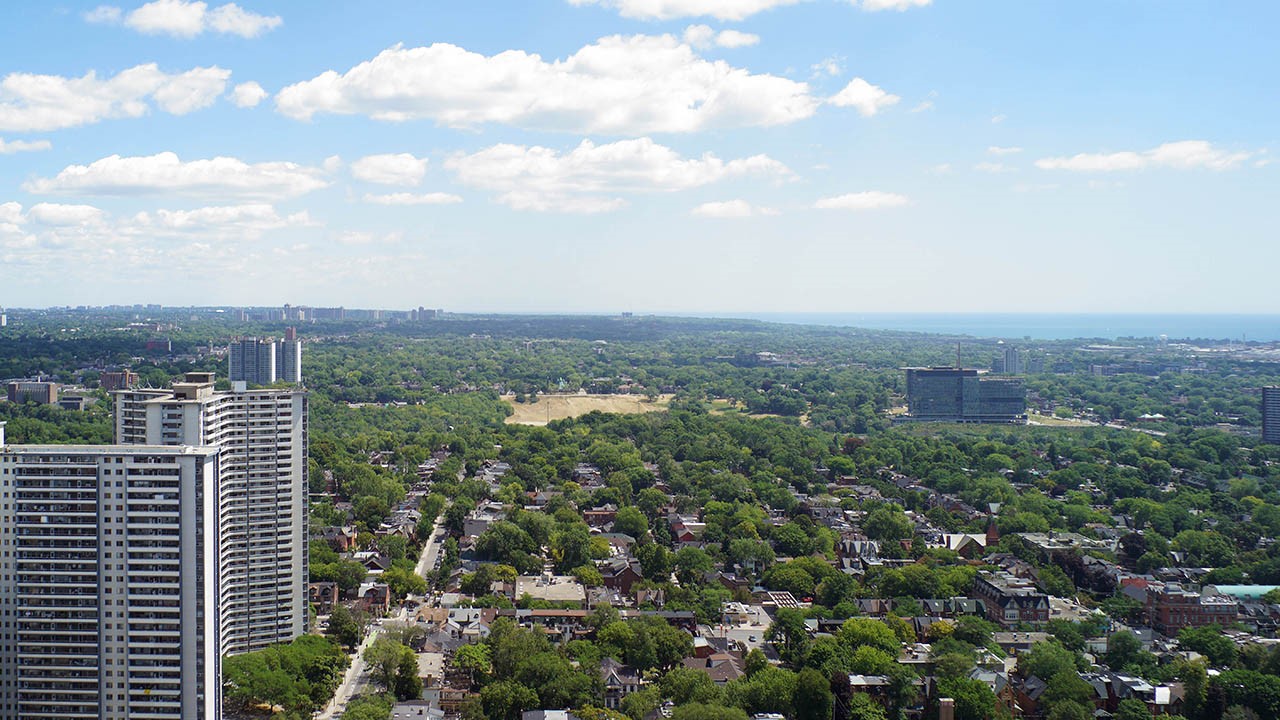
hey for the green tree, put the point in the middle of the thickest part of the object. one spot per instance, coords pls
(383, 656)
(1123, 650)
(408, 684)
(404, 582)
(368, 707)
(630, 521)
(1132, 709)
(474, 660)
(1045, 660)
(345, 628)
(790, 636)
(699, 711)
(506, 700)
(812, 699)
(887, 522)
(862, 707)
(768, 691)
(686, 685)
(1210, 642)
(974, 699)
(638, 705)
(857, 632)
(691, 564)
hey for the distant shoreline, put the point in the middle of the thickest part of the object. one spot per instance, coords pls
(1041, 326)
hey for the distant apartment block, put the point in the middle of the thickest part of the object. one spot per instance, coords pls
(118, 380)
(26, 391)
(263, 361)
(252, 360)
(262, 486)
(1271, 415)
(1011, 600)
(961, 395)
(1009, 362)
(289, 357)
(107, 584)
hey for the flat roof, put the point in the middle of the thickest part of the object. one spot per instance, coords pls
(113, 449)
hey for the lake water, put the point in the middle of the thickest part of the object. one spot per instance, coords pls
(1046, 326)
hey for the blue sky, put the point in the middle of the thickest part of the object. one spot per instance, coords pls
(645, 155)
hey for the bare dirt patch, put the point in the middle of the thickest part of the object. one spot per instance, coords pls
(559, 407)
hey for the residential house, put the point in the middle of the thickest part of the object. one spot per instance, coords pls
(720, 667)
(619, 681)
(374, 598)
(620, 573)
(323, 595)
(342, 539)
(1011, 601)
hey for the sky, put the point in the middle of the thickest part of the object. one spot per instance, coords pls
(709, 156)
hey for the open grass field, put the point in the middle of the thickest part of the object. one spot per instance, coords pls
(559, 407)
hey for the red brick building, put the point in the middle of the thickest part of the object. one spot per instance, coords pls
(1171, 607)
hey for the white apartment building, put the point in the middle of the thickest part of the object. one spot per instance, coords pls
(262, 489)
(108, 598)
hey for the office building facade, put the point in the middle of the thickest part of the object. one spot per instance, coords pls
(108, 586)
(946, 394)
(1271, 415)
(262, 511)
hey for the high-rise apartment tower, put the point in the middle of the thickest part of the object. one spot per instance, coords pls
(262, 488)
(1271, 415)
(263, 361)
(108, 589)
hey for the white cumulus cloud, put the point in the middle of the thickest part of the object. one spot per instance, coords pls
(8, 147)
(868, 200)
(56, 214)
(191, 90)
(731, 209)
(248, 94)
(868, 99)
(249, 220)
(1184, 154)
(629, 85)
(702, 37)
(390, 169)
(68, 231)
(997, 150)
(899, 5)
(670, 9)
(435, 198)
(184, 19)
(31, 103)
(589, 177)
(166, 173)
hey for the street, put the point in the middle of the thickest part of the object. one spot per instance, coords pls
(356, 679)
(431, 549)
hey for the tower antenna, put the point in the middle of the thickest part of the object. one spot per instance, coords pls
(958, 365)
